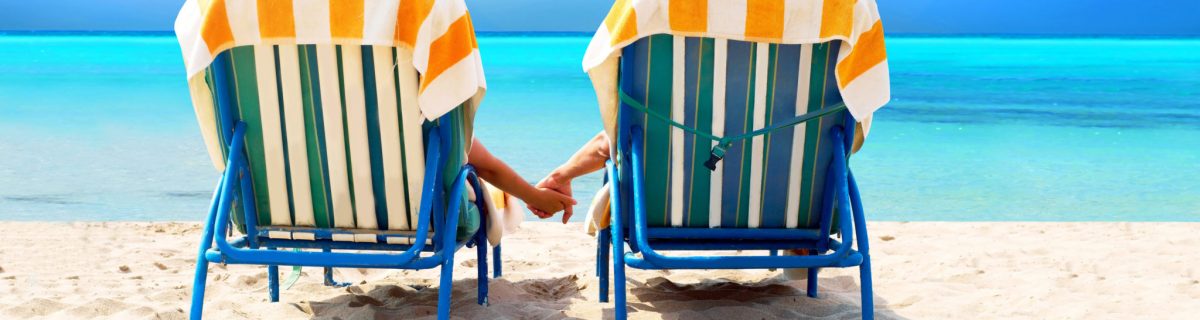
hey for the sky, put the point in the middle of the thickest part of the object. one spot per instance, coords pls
(1011, 17)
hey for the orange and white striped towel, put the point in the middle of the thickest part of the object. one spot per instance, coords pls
(862, 69)
(435, 35)
(504, 213)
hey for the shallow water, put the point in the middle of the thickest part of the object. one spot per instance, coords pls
(99, 127)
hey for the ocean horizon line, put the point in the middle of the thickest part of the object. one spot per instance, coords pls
(168, 33)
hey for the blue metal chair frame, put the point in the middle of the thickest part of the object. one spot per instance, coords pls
(629, 195)
(257, 248)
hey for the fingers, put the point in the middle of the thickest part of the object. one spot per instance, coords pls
(566, 215)
(537, 212)
(567, 212)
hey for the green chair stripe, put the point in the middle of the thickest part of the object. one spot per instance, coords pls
(315, 140)
(808, 198)
(246, 94)
(699, 102)
(658, 134)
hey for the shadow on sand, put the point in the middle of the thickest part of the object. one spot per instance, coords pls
(549, 298)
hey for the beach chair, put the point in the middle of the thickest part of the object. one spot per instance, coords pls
(326, 152)
(731, 145)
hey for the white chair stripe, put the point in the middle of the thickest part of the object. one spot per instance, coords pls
(297, 148)
(268, 108)
(410, 123)
(344, 237)
(720, 54)
(357, 138)
(761, 64)
(304, 236)
(798, 134)
(365, 237)
(678, 70)
(389, 131)
(406, 240)
(335, 150)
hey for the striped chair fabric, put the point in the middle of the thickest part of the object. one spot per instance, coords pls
(334, 139)
(727, 87)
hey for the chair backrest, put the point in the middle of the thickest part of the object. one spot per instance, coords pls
(728, 87)
(334, 138)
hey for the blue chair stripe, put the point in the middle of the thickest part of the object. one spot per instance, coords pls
(782, 102)
(691, 74)
(738, 92)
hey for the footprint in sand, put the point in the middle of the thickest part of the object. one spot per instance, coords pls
(160, 266)
(552, 289)
(362, 300)
(123, 269)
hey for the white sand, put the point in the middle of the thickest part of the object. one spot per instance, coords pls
(922, 271)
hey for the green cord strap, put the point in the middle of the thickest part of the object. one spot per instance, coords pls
(724, 143)
(295, 275)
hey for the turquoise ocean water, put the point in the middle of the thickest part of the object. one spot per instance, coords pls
(100, 127)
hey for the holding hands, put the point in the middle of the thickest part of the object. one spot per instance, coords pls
(548, 200)
(559, 186)
(590, 158)
(553, 193)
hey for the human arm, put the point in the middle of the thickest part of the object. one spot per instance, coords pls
(590, 158)
(500, 175)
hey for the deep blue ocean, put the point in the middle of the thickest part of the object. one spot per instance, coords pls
(100, 127)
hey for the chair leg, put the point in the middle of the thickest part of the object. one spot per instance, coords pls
(273, 282)
(496, 267)
(774, 253)
(481, 256)
(447, 285)
(812, 282)
(198, 283)
(329, 275)
(602, 262)
(329, 279)
(868, 300)
(619, 307)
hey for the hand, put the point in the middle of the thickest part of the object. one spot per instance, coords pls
(561, 184)
(547, 200)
